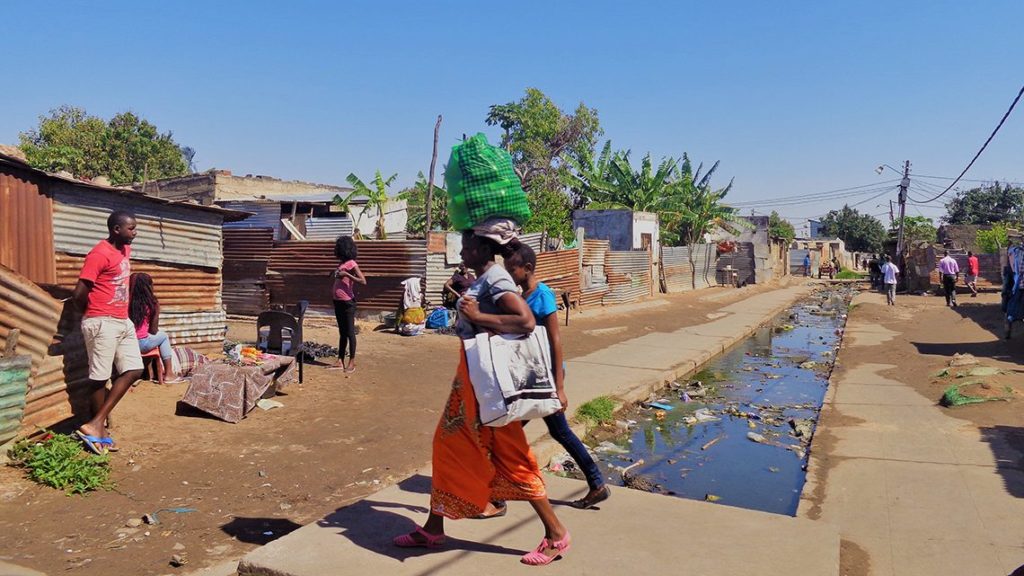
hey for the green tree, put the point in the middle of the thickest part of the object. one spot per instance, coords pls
(377, 198)
(416, 195)
(986, 205)
(643, 190)
(917, 229)
(991, 241)
(541, 137)
(780, 228)
(126, 148)
(860, 232)
(698, 208)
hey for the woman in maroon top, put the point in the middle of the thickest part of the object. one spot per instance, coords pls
(346, 276)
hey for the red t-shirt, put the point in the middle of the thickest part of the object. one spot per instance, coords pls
(108, 270)
(973, 266)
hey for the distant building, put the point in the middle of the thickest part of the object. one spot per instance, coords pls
(286, 206)
(815, 228)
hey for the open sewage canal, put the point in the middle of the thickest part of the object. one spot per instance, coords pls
(737, 432)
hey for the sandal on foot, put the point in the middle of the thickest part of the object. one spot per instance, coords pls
(539, 558)
(589, 501)
(429, 540)
(95, 444)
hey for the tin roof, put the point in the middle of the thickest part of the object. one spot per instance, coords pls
(228, 215)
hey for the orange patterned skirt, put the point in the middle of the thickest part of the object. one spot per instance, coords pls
(475, 464)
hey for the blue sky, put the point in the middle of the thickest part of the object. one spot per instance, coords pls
(793, 98)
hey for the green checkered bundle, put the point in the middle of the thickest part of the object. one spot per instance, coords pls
(482, 184)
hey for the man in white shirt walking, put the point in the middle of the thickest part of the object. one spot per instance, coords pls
(949, 270)
(889, 272)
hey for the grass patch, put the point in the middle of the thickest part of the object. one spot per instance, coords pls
(850, 275)
(599, 410)
(60, 462)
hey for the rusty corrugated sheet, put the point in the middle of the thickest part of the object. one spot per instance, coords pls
(560, 271)
(167, 233)
(678, 272)
(245, 298)
(438, 272)
(177, 288)
(15, 373)
(299, 270)
(629, 276)
(26, 225)
(29, 308)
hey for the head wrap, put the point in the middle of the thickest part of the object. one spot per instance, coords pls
(501, 230)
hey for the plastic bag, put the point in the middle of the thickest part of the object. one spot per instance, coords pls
(438, 318)
(482, 184)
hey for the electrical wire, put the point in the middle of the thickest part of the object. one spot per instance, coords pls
(879, 195)
(983, 146)
(805, 197)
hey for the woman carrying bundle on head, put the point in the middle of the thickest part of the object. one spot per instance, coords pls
(475, 464)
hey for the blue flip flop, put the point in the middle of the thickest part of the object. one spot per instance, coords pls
(109, 443)
(93, 443)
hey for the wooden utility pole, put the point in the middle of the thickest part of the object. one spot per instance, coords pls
(904, 184)
(430, 180)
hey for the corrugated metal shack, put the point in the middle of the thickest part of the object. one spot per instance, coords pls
(680, 275)
(629, 276)
(49, 222)
(594, 281)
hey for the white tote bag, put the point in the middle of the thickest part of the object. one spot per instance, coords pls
(511, 376)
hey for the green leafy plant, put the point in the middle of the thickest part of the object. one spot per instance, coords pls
(58, 461)
(990, 241)
(599, 410)
(849, 275)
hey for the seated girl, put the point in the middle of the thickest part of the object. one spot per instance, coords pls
(144, 312)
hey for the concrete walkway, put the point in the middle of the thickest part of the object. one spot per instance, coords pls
(633, 529)
(913, 490)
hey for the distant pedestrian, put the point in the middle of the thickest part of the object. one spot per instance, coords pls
(807, 265)
(973, 268)
(949, 270)
(110, 340)
(875, 271)
(346, 276)
(889, 272)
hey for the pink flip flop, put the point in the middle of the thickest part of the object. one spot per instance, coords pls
(539, 558)
(430, 540)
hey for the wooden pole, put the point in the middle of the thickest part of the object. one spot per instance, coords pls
(430, 180)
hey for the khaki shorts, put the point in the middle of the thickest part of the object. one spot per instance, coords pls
(110, 342)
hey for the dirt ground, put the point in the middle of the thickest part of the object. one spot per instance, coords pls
(930, 335)
(337, 439)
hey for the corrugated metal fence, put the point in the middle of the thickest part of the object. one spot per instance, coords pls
(629, 276)
(594, 283)
(738, 266)
(680, 275)
(560, 271)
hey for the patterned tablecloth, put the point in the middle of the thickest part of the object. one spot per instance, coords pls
(229, 391)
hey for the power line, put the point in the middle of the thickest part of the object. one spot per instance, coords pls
(805, 197)
(883, 193)
(983, 146)
(771, 202)
(981, 181)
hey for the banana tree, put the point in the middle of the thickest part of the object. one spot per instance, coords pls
(376, 199)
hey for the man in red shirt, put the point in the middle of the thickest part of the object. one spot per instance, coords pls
(110, 341)
(973, 268)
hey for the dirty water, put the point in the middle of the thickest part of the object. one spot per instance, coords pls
(741, 438)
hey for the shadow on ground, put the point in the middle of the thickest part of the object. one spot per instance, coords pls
(1007, 445)
(990, 317)
(259, 530)
(371, 525)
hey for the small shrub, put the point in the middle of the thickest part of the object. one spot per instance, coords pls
(60, 462)
(599, 410)
(849, 275)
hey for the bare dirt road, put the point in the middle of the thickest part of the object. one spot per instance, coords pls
(338, 438)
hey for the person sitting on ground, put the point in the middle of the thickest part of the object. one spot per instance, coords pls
(521, 265)
(144, 312)
(109, 336)
(457, 285)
